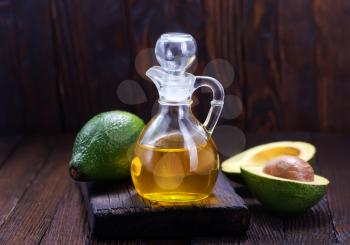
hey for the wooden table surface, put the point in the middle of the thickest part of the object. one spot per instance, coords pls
(40, 204)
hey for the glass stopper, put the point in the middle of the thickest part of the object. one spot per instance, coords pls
(175, 52)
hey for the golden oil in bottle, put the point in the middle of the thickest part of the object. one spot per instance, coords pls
(172, 173)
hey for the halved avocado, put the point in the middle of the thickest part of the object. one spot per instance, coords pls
(261, 154)
(283, 195)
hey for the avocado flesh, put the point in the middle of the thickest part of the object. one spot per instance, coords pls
(283, 195)
(260, 155)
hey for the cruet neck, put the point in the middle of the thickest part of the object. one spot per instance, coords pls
(179, 110)
(172, 87)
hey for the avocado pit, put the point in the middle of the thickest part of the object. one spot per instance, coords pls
(290, 167)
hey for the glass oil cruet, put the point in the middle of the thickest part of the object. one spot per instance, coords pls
(175, 158)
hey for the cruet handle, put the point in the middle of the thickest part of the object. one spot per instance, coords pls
(216, 104)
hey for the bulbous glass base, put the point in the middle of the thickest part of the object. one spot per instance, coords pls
(175, 174)
(175, 159)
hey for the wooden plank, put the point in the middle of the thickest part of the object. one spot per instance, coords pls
(223, 43)
(36, 207)
(293, 65)
(261, 60)
(296, 87)
(7, 146)
(312, 227)
(69, 224)
(333, 61)
(10, 99)
(19, 170)
(164, 16)
(293, 56)
(118, 212)
(41, 111)
(93, 57)
(333, 160)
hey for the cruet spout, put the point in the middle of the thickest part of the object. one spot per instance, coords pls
(157, 75)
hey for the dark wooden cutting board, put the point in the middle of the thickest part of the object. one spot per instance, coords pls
(117, 211)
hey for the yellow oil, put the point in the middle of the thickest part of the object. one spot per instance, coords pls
(174, 173)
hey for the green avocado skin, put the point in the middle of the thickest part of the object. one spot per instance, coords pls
(103, 148)
(282, 196)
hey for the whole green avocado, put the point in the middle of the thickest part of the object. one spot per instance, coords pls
(103, 148)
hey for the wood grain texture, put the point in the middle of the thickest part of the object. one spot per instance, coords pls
(93, 57)
(63, 61)
(19, 171)
(35, 208)
(10, 96)
(8, 145)
(333, 162)
(69, 223)
(37, 69)
(117, 212)
(42, 205)
(297, 83)
(223, 43)
(262, 61)
(332, 59)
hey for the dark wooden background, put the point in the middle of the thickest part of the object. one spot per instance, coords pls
(61, 61)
